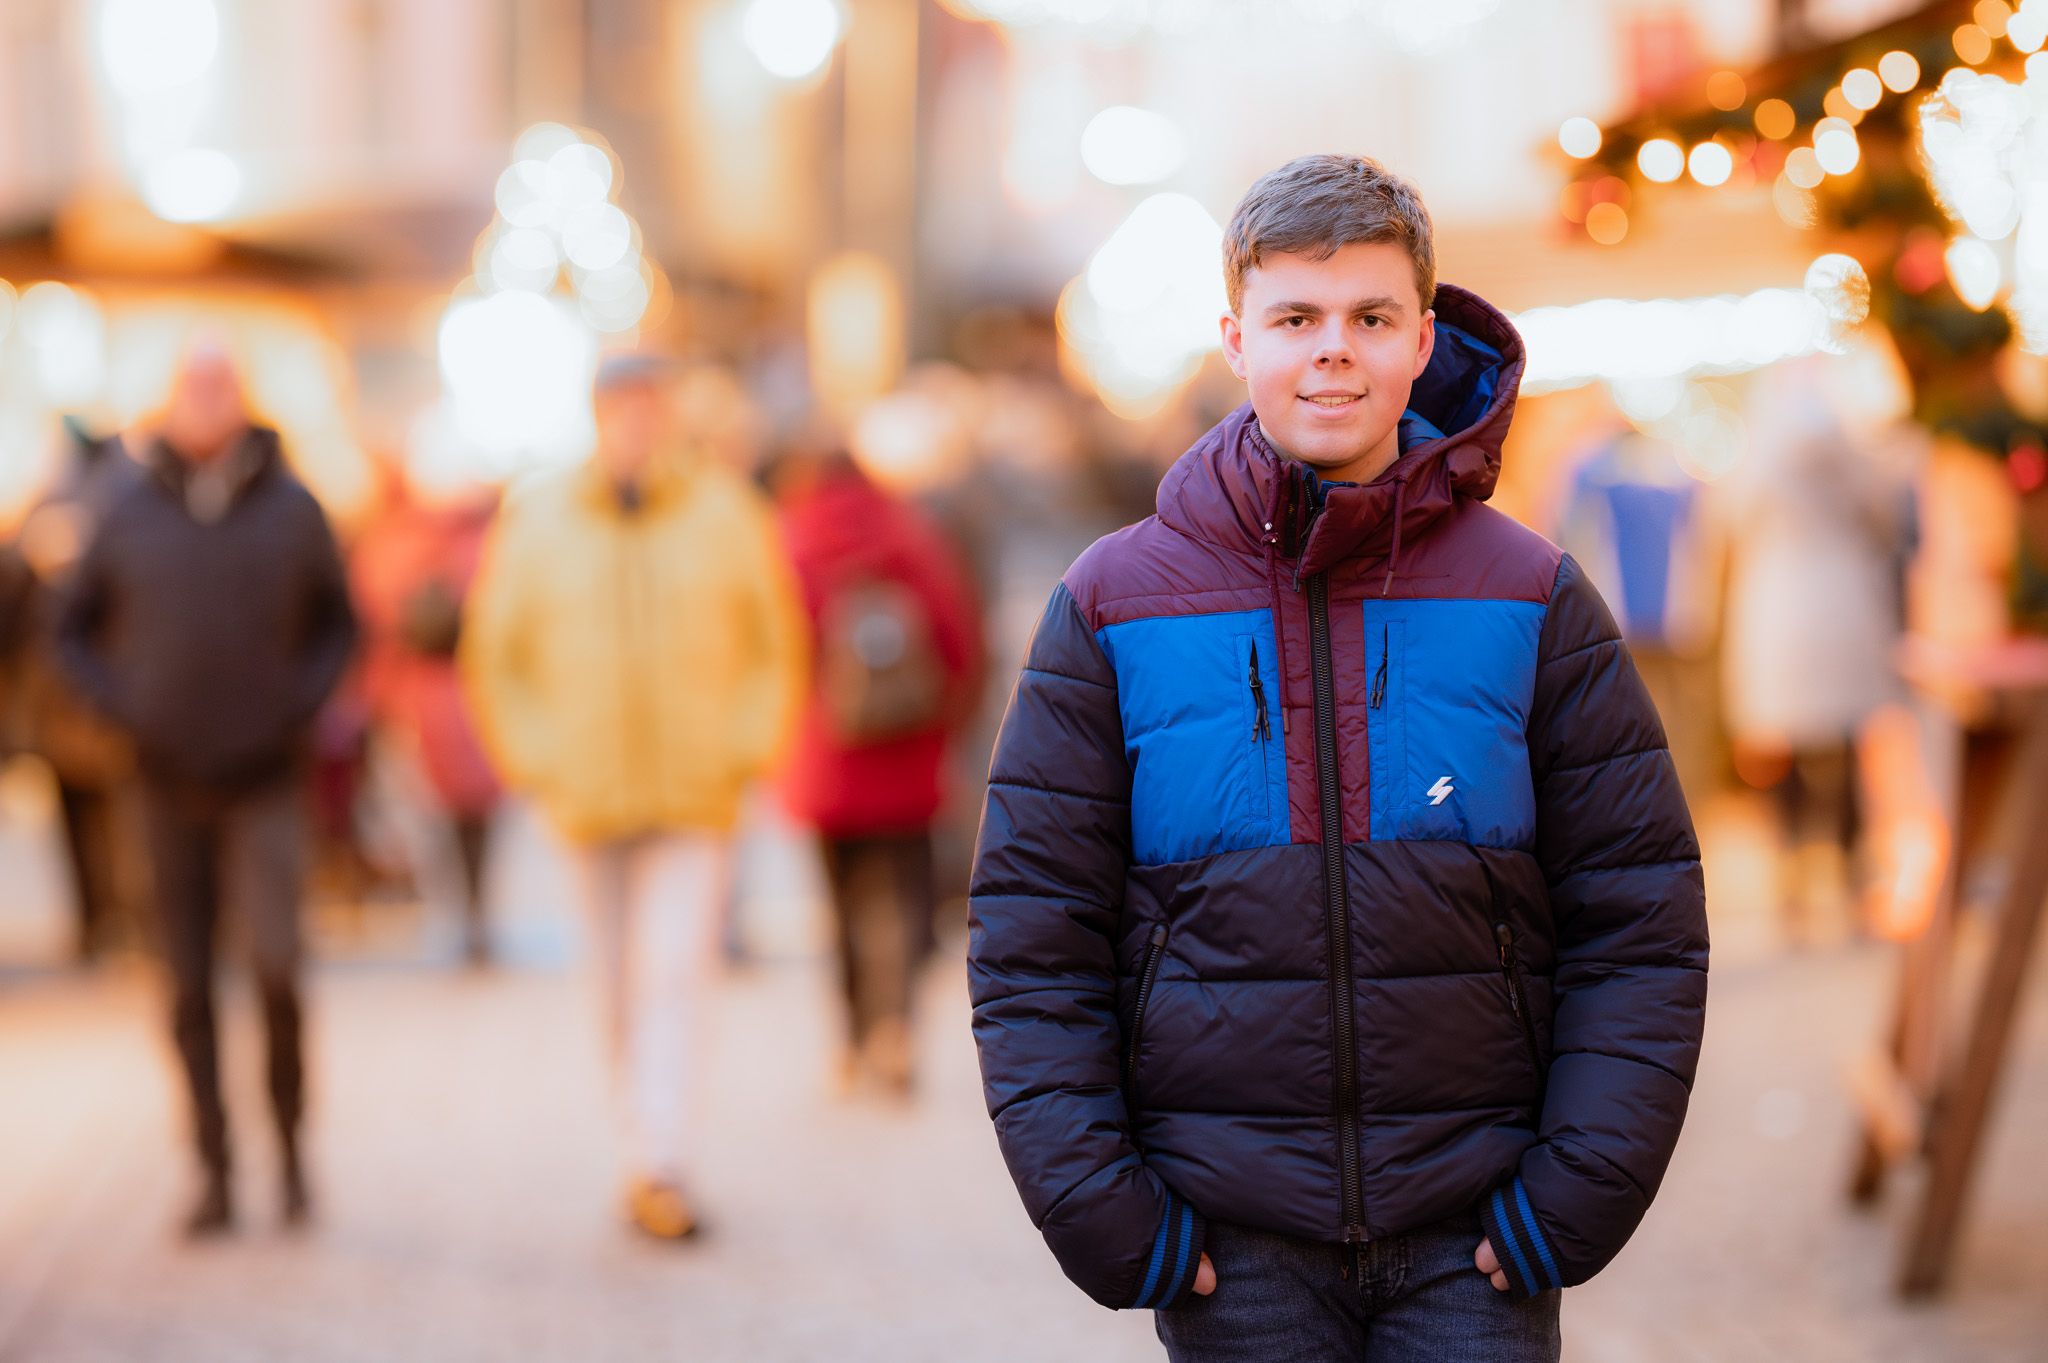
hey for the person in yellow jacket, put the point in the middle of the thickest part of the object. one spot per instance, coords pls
(634, 650)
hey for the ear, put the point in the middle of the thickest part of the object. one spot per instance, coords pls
(1233, 343)
(1427, 346)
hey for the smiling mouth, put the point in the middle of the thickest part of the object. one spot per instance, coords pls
(1332, 400)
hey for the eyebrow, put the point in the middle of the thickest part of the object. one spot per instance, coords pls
(1386, 303)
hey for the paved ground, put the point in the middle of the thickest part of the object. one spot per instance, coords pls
(462, 1145)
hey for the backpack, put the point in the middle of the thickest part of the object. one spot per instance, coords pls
(879, 672)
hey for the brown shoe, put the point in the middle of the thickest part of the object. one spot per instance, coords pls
(888, 1054)
(661, 1210)
(214, 1213)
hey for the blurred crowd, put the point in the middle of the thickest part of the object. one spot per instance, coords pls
(245, 707)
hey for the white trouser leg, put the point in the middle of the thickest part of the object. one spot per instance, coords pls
(663, 896)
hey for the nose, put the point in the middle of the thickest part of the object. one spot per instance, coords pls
(1333, 350)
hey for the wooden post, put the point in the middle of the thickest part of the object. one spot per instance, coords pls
(1964, 1103)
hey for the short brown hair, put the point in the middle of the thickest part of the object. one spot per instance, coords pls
(1316, 205)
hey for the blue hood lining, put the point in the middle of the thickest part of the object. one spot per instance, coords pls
(1456, 389)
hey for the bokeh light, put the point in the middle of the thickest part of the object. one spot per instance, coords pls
(1974, 271)
(1607, 223)
(1862, 88)
(1835, 147)
(577, 175)
(1711, 163)
(67, 336)
(1579, 137)
(151, 46)
(1661, 159)
(517, 370)
(2028, 29)
(1842, 286)
(854, 326)
(1662, 339)
(198, 184)
(1972, 44)
(1803, 168)
(597, 236)
(1145, 311)
(1726, 90)
(1775, 119)
(524, 258)
(790, 38)
(1900, 71)
(1124, 145)
(1837, 106)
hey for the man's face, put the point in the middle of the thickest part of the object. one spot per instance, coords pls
(206, 411)
(633, 421)
(1330, 349)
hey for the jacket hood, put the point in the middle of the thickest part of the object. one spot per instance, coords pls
(1235, 489)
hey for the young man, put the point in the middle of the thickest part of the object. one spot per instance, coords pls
(1338, 947)
(634, 650)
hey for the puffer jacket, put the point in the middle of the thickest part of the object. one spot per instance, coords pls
(633, 668)
(1333, 875)
(212, 641)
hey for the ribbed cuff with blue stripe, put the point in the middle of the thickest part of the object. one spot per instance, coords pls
(1518, 1241)
(1176, 1253)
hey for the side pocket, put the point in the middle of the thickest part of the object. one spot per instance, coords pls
(1155, 951)
(1518, 1000)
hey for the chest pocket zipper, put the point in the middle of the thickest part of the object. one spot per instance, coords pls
(1261, 730)
(1155, 951)
(1511, 975)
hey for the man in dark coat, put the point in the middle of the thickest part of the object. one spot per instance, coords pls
(1338, 947)
(210, 618)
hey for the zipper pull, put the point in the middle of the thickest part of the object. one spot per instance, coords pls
(1158, 936)
(1379, 680)
(1260, 728)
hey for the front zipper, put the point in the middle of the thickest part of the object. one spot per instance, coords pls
(1155, 951)
(1511, 975)
(1261, 730)
(1336, 906)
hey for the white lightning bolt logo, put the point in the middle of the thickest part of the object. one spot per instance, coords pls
(1440, 790)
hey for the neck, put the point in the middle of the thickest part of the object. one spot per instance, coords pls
(1360, 468)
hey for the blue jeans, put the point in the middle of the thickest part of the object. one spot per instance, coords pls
(1412, 1298)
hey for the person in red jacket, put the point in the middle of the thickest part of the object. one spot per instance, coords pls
(898, 651)
(410, 573)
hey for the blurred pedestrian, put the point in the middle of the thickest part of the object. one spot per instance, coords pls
(89, 755)
(1637, 522)
(897, 637)
(209, 618)
(1820, 516)
(411, 570)
(634, 649)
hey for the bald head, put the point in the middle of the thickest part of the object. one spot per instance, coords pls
(206, 412)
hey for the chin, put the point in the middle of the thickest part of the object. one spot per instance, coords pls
(1327, 449)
